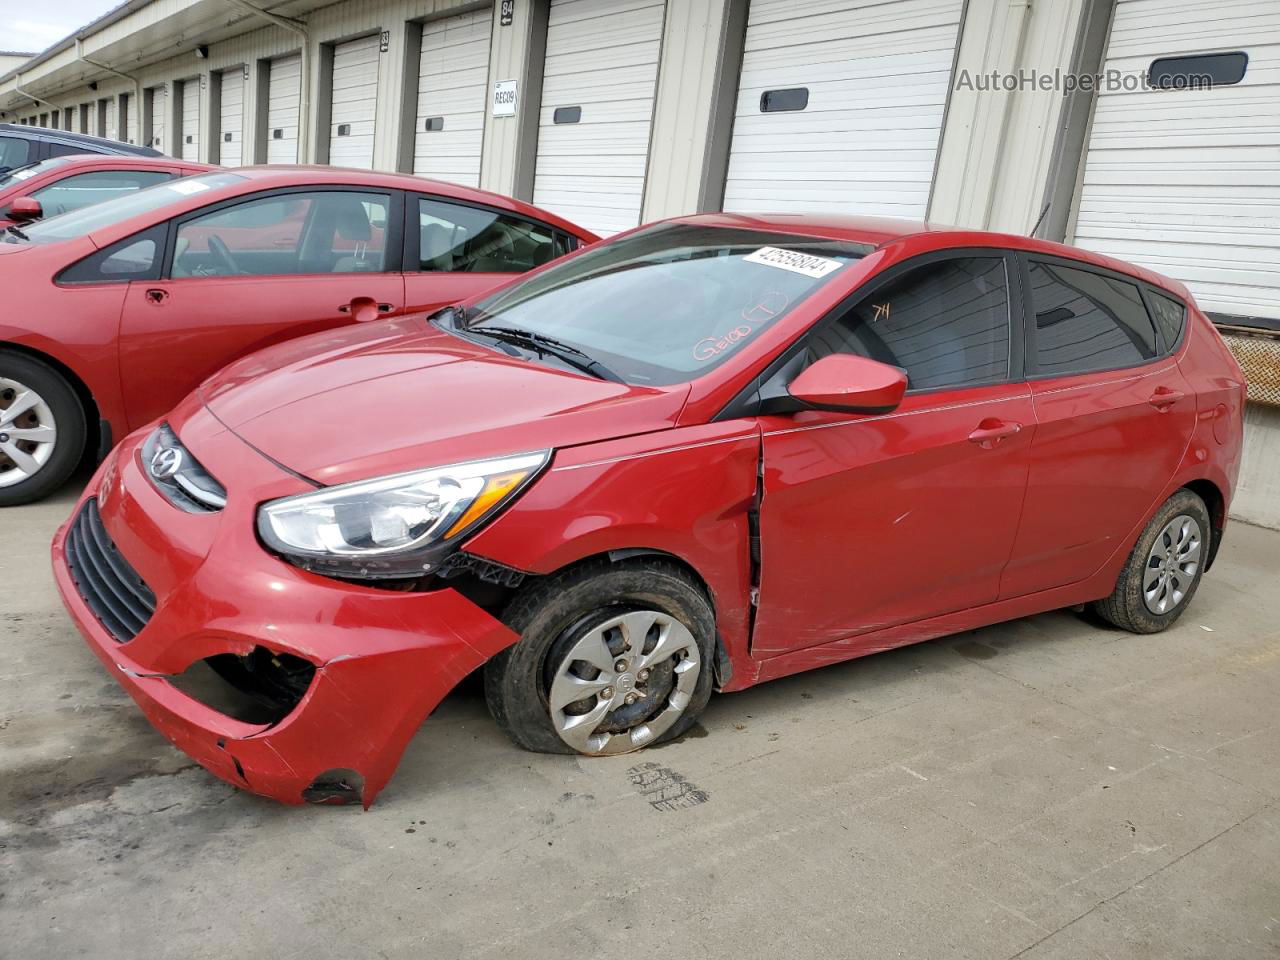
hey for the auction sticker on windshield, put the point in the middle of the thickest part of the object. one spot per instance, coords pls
(187, 187)
(803, 263)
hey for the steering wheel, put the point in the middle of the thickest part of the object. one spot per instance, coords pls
(223, 255)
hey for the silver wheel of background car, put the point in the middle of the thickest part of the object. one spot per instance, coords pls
(624, 683)
(1172, 564)
(28, 432)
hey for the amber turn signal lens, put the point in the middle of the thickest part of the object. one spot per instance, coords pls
(495, 490)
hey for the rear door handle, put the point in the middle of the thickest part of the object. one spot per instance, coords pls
(155, 295)
(991, 431)
(1164, 398)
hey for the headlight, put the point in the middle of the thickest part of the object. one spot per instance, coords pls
(398, 526)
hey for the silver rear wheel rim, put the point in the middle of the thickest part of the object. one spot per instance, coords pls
(28, 432)
(1172, 565)
(594, 681)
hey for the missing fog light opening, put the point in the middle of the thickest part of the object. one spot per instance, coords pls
(262, 687)
(335, 787)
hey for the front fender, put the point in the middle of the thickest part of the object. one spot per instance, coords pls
(684, 492)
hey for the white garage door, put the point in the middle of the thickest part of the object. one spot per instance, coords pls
(355, 99)
(159, 116)
(284, 91)
(231, 119)
(1187, 182)
(597, 104)
(840, 106)
(189, 144)
(452, 79)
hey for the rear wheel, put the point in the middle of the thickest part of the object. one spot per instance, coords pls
(42, 430)
(1164, 570)
(612, 658)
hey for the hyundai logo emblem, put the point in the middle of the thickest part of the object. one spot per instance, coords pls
(166, 462)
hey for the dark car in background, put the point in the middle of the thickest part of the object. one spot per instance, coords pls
(21, 145)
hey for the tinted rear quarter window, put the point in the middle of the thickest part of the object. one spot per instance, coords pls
(1170, 317)
(1087, 321)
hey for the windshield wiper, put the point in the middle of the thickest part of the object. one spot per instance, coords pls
(18, 233)
(549, 346)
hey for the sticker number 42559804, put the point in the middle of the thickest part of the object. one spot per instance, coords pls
(804, 263)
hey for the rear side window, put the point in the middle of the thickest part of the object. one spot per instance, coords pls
(72, 193)
(1087, 321)
(945, 323)
(454, 238)
(1170, 316)
(66, 149)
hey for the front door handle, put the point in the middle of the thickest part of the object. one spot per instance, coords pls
(364, 309)
(382, 307)
(1164, 398)
(156, 295)
(991, 431)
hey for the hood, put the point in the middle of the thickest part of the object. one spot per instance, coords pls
(381, 398)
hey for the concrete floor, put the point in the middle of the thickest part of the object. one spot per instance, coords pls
(1048, 788)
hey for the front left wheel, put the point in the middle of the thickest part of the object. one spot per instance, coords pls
(42, 430)
(612, 658)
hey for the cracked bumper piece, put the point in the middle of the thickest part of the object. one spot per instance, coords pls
(382, 660)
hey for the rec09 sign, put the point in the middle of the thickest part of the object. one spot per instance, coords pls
(504, 98)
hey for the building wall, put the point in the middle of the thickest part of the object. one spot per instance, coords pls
(1257, 497)
(11, 61)
(681, 139)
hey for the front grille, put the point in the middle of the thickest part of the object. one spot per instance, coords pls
(118, 597)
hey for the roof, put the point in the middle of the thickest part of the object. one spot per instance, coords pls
(830, 226)
(290, 174)
(99, 144)
(15, 53)
(879, 231)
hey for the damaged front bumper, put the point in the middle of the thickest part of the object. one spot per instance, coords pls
(341, 675)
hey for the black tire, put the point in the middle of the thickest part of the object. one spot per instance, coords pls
(1126, 607)
(553, 610)
(69, 417)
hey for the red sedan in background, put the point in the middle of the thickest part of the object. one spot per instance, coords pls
(63, 184)
(704, 454)
(116, 311)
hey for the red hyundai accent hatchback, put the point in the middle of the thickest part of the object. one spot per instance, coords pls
(702, 455)
(115, 312)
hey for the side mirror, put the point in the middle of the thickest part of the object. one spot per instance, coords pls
(846, 383)
(25, 209)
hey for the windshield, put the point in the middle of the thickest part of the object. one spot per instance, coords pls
(86, 220)
(667, 304)
(29, 170)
